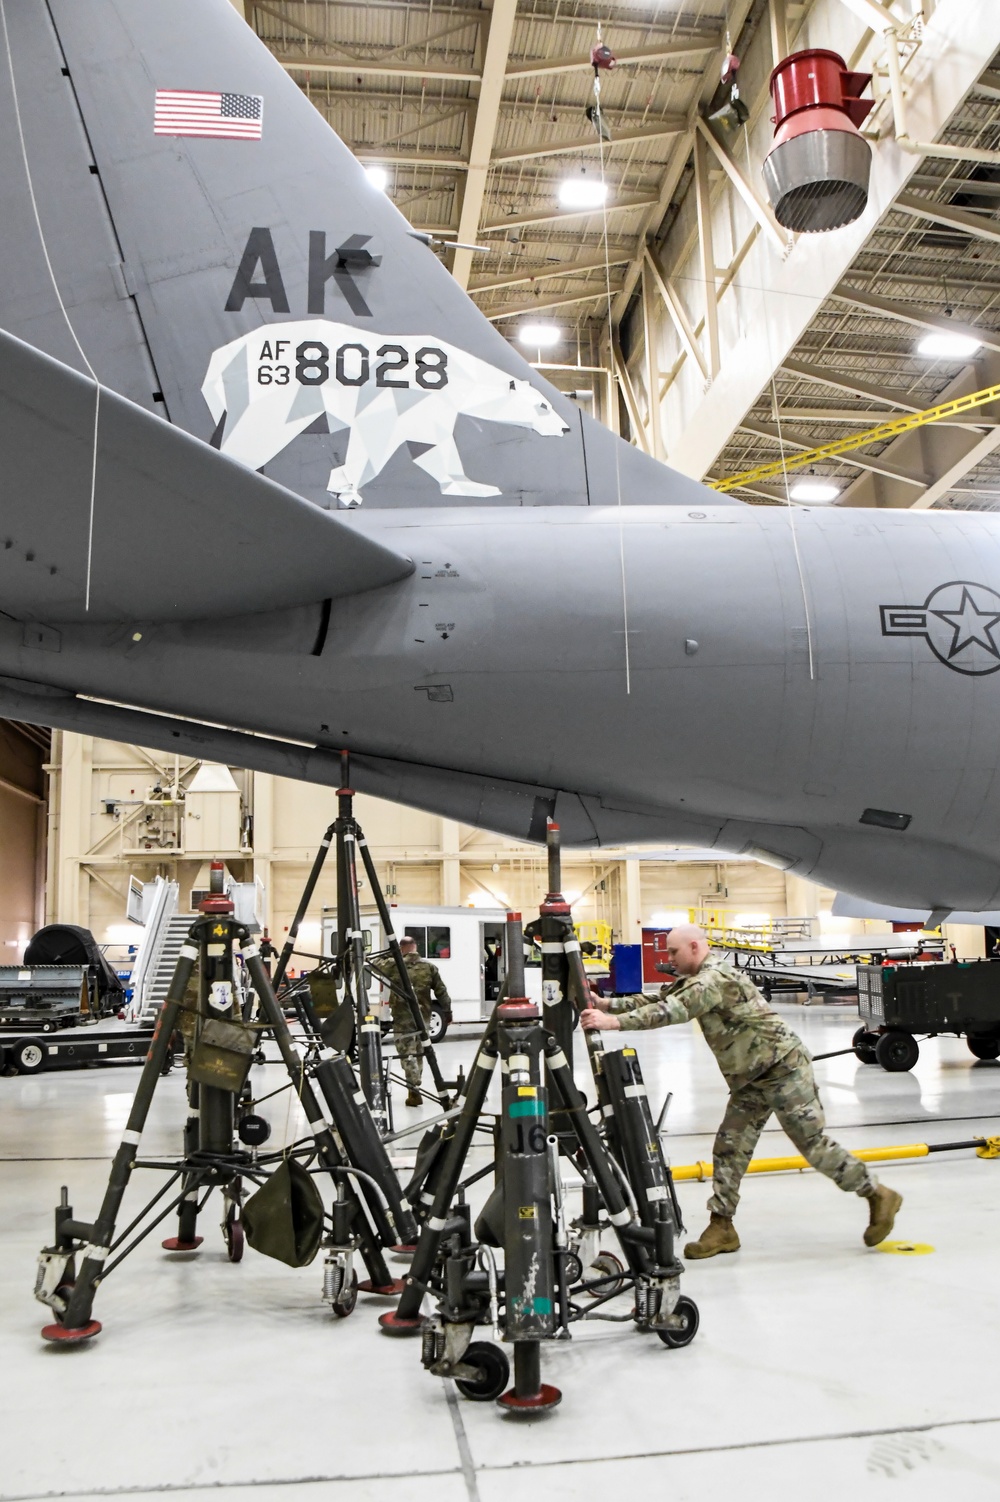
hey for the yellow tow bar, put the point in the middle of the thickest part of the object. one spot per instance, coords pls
(986, 1147)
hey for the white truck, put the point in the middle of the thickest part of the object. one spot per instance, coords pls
(465, 943)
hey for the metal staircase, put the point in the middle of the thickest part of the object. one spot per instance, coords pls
(156, 955)
(155, 989)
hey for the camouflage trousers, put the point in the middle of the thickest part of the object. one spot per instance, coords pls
(788, 1090)
(409, 1045)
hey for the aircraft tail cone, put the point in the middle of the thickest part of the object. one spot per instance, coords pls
(817, 171)
(62, 1335)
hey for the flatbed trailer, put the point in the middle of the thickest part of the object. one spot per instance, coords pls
(820, 967)
(26, 1051)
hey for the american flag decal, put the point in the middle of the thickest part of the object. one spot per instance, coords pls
(191, 112)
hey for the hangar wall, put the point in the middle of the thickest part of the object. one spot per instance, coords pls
(114, 812)
(22, 827)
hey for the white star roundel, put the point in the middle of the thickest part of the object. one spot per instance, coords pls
(960, 622)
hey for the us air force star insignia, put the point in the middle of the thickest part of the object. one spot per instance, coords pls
(957, 621)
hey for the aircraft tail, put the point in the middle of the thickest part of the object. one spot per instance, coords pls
(181, 223)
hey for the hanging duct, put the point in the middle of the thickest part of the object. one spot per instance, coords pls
(816, 173)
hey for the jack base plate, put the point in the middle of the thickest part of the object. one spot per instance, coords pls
(390, 1290)
(61, 1335)
(391, 1324)
(175, 1244)
(540, 1402)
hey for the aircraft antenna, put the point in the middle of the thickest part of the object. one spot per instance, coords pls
(602, 58)
(59, 299)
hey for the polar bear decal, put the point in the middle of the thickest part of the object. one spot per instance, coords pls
(389, 390)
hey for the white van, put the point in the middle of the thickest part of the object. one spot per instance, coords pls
(465, 943)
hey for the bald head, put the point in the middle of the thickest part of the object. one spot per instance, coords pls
(408, 945)
(687, 948)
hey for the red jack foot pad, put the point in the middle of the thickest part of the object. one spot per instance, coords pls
(404, 1250)
(390, 1290)
(175, 1244)
(540, 1402)
(391, 1324)
(61, 1335)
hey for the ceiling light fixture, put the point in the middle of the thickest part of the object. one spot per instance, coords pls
(378, 177)
(947, 346)
(582, 192)
(818, 491)
(540, 335)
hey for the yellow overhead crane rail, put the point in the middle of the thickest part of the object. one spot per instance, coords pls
(833, 450)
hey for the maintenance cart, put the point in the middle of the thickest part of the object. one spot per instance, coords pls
(44, 997)
(898, 1001)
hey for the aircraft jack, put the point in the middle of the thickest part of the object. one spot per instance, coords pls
(370, 1212)
(542, 1288)
(351, 965)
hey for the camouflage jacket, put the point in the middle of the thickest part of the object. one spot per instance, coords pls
(426, 981)
(746, 1037)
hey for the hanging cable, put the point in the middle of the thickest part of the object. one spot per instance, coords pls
(789, 503)
(601, 56)
(59, 299)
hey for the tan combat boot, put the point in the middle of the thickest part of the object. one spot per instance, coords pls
(414, 1098)
(883, 1207)
(718, 1236)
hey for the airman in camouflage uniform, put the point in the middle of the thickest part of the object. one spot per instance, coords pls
(767, 1069)
(425, 978)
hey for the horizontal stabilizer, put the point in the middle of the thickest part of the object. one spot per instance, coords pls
(846, 906)
(172, 529)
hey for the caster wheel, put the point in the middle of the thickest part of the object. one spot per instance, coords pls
(606, 1266)
(682, 1335)
(863, 1044)
(235, 1239)
(897, 1052)
(984, 1048)
(493, 1372)
(345, 1304)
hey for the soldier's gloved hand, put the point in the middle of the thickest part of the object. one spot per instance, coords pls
(593, 1020)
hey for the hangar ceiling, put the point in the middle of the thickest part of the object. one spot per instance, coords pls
(477, 114)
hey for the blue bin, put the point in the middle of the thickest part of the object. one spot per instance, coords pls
(626, 969)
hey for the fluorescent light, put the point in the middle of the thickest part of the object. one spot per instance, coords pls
(945, 346)
(582, 192)
(582, 396)
(814, 490)
(541, 335)
(378, 177)
(668, 919)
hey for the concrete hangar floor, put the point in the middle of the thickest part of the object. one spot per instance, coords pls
(820, 1368)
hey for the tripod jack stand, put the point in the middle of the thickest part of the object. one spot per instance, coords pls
(533, 1289)
(370, 1212)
